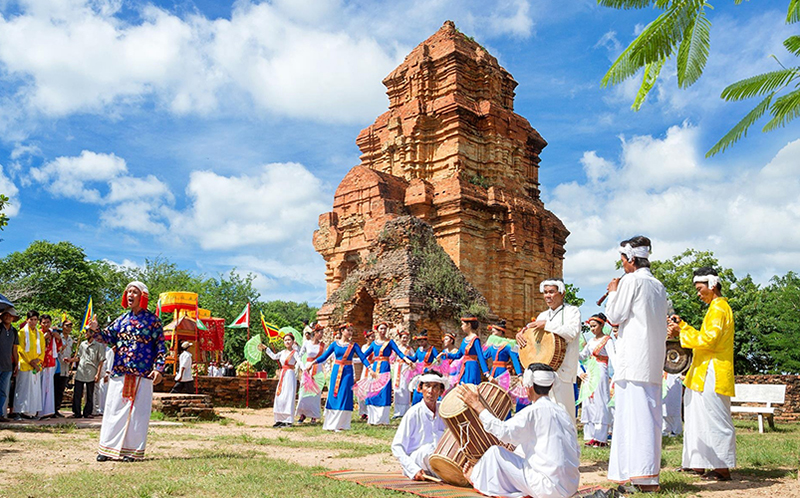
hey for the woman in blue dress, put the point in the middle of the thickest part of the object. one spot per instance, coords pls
(339, 407)
(500, 354)
(474, 366)
(379, 405)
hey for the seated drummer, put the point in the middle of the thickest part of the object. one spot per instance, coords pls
(545, 464)
(421, 428)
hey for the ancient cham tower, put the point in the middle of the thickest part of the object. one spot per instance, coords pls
(450, 151)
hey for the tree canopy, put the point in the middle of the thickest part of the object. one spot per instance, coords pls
(767, 319)
(683, 31)
(59, 278)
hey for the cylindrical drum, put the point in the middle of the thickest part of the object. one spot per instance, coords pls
(448, 461)
(465, 425)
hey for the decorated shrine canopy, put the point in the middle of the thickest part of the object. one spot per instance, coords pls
(174, 301)
(185, 329)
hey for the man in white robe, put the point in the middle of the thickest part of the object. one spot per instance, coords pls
(672, 402)
(563, 320)
(638, 303)
(546, 461)
(421, 428)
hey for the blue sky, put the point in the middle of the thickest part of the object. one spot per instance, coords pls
(215, 134)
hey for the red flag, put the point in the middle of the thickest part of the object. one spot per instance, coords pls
(243, 320)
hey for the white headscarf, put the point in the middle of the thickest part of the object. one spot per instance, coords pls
(711, 280)
(544, 378)
(635, 252)
(553, 283)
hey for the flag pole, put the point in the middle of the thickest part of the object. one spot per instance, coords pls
(247, 380)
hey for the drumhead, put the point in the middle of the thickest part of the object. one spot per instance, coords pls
(451, 405)
(449, 471)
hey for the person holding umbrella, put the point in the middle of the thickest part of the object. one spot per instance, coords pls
(9, 342)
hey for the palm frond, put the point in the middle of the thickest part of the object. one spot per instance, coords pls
(792, 44)
(625, 4)
(759, 84)
(651, 72)
(693, 51)
(740, 130)
(655, 43)
(794, 11)
(783, 110)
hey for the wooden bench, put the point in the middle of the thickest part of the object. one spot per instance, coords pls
(759, 393)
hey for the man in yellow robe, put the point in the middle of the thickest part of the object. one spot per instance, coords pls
(28, 393)
(709, 441)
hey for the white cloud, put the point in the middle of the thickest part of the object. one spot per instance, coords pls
(10, 190)
(279, 205)
(132, 203)
(315, 59)
(68, 176)
(661, 188)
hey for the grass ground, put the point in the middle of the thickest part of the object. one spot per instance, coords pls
(229, 457)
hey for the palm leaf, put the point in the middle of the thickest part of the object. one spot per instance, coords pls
(693, 51)
(794, 11)
(651, 72)
(656, 42)
(783, 110)
(792, 44)
(625, 4)
(740, 130)
(759, 84)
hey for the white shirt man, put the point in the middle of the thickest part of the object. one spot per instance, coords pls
(420, 429)
(638, 303)
(563, 320)
(546, 461)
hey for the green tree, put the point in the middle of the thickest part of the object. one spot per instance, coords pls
(571, 295)
(683, 31)
(3, 217)
(226, 296)
(50, 275)
(772, 321)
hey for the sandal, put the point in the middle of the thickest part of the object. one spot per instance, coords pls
(688, 470)
(713, 475)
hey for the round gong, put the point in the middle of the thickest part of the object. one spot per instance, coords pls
(677, 358)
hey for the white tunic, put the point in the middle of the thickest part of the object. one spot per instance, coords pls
(546, 461)
(283, 408)
(306, 404)
(639, 306)
(402, 394)
(672, 402)
(416, 438)
(565, 321)
(596, 415)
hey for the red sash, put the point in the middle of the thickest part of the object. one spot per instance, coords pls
(342, 363)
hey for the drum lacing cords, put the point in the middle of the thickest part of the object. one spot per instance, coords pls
(463, 434)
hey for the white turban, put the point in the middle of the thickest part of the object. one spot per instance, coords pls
(138, 285)
(711, 280)
(429, 377)
(544, 378)
(635, 252)
(553, 283)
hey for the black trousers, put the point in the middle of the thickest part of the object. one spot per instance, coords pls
(60, 384)
(77, 397)
(183, 387)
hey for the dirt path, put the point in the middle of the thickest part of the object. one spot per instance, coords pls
(66, 449)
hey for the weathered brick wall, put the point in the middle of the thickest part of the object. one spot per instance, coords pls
(790, 410)
(231, 391)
